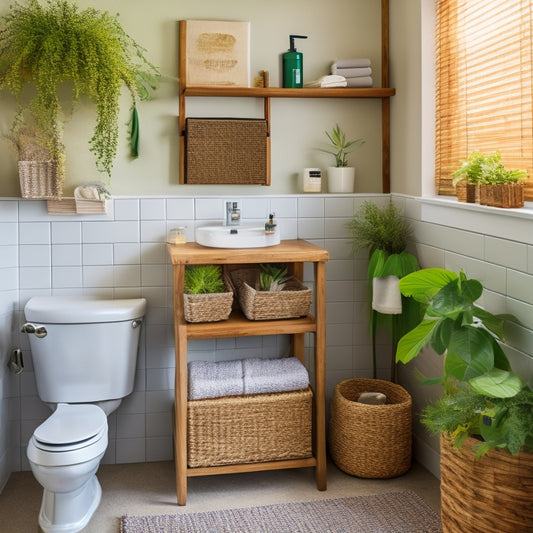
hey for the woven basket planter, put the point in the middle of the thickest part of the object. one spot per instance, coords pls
(212, 307)
(492, 494)
(292, 302)
(371, 441)
(508, 195)
(39, 180)
(249, 429)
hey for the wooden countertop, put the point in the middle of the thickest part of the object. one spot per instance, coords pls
(289, 251)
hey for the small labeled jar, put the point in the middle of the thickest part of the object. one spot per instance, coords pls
(177, 235)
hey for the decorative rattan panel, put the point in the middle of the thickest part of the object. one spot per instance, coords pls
(226, 151)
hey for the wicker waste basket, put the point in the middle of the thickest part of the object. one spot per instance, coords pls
(492, 494)
(371, 441)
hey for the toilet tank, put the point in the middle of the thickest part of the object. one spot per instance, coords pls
(87, 351)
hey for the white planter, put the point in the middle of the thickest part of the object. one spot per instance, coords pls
(341, 179)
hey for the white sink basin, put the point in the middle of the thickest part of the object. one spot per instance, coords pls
(242, 236)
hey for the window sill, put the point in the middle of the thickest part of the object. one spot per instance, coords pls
(512, 224)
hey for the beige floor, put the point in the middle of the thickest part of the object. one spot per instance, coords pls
(148, 488)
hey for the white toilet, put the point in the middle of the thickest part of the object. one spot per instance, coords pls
(84, 355)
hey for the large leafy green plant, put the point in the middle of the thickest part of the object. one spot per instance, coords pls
(482, 395)
(57, 46)
(386, 233)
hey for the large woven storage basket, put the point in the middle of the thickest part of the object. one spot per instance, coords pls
(39, 179)
(371, 441)
(492, 494)
(212, 307)
(249, 429)
(292, 302)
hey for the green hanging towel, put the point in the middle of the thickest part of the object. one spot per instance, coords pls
(134, 135)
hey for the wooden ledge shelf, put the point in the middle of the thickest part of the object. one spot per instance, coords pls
(280, 92)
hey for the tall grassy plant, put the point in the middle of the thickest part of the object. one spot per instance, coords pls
(386, 234)
(58, 45)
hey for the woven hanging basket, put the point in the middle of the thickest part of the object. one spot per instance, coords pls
(39, 180)
(371, 441)
(492, 494)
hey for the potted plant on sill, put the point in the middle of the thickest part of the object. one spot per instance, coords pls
(341, 177)
(467, 177)
(94, 58)
(501, 187)
(485, 416)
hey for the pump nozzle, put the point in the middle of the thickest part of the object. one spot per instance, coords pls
(291, 41)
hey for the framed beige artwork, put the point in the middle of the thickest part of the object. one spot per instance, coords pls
(217, 52)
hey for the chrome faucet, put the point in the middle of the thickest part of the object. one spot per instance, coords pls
(233, 214)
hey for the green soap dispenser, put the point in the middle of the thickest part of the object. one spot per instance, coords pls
(293, 65)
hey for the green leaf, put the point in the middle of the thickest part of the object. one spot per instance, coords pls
(412, 342)
(400, 265)
(376, 264)
(134, 133)
(441, 337)
(497, 383)
(474, 347)
(424, 284)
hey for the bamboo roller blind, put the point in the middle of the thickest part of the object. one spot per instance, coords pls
(484, 85)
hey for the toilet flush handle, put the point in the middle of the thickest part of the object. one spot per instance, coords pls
(136, 323)
(38, 331)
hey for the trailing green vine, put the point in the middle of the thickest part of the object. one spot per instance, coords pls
(56, 45)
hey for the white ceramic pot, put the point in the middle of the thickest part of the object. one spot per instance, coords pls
(341, 179)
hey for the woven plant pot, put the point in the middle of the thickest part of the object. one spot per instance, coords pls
(371, 441)
(507, 195)
(212, 307)
(492, 494)
(292, 302)
(39, 180)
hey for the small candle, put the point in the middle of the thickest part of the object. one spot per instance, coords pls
(177, 235)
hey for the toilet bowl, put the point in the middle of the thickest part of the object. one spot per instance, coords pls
(64, 454)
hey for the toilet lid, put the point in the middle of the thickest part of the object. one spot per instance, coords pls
(71, 423)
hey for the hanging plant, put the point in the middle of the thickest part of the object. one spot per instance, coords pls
(57, 45)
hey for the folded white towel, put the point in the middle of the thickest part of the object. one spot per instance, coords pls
(386, 296)
(212, 380)
(330, 80)
(352, 63)
(352, 72)
(92, 191)
(274, 375)
(365, 81)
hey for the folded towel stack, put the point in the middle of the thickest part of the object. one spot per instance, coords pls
(358, 72)
(247, 376)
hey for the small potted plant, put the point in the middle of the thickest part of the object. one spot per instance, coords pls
(341, 177)
(501, 187)
(206, 297)
(485, 416)
(269, 292)
(467, 177)
(95, 58)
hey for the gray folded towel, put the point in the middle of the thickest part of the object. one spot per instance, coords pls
(212, 380)
(365, 81)
(274, 375)
(351, 72)
(352, 63)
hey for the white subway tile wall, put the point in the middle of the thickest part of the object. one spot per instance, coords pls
(123, 254)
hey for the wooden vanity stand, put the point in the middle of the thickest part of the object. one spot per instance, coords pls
(295, 253)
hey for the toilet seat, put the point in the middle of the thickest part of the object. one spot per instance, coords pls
(74, 433)
(71, 426)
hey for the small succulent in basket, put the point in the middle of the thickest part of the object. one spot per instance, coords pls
(272, 277)
(203, 279)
